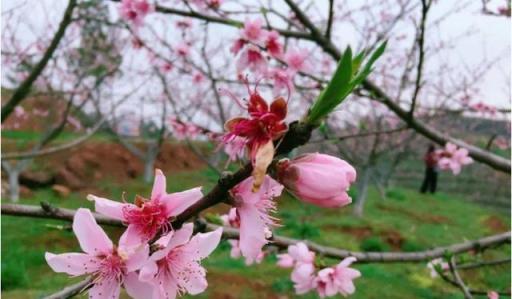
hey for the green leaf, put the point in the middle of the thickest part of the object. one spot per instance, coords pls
(333, 94)
(346, 77)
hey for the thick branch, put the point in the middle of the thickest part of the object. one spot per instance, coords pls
(23, 90)
(50, 212)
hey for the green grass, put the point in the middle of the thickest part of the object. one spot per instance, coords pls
(405, 221)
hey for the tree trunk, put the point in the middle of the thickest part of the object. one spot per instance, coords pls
(149, 169)
(14, 185)
(362, 192)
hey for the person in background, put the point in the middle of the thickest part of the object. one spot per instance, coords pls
(430, 181)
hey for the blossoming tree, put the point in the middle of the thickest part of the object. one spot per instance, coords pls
(293, 78)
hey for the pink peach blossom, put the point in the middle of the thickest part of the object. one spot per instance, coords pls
(432, 266)
(296, 59)
(238, 44)
(297, 254)
(182, 49)
(253, 210)
(252, 59)
(285, 260)
(453, 158)
(303, 278)
(134, 11)
(273, 45)
(182, 130)
(146, 218)
(339, 279)
(19, 112)
(283, 80)
(301, 254)
(318, 179)
(174, 268)
(110, 266)
(493, 295)
(235, 148)
(253, 32)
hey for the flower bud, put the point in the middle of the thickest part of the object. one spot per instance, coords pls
(318, 179)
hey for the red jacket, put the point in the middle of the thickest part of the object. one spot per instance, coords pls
(431, 159)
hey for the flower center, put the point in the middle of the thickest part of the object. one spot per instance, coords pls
(148, 217)
(111, 267)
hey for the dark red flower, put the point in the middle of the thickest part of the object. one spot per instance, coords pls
(265, 123)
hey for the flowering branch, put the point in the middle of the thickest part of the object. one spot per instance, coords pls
(471, 291)
(375, 92)
(50, 212)
(22, 91)
(378, 94)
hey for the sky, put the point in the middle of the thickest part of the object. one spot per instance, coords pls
(488, 37)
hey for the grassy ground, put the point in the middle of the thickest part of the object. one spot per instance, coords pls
(404, 221)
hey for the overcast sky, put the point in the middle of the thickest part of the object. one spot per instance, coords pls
(490, 38)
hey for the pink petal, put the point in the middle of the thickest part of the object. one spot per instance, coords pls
(347, 287)
(301, 253)
(178, 202)
(104, 289)
(131, 237)
(159, 185)
(252, 233)
(180, 237)
(193, 279)
(108, 207)
(285, 260)
(347, 261)
(164, 287)
(148, 271)
(136, 288)
(302, 271)
(137, 258)
(90, 235)
(203, 244)
(235, 249)
(71, 263)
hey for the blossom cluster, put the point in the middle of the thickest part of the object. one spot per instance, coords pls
(252, 45)
(182, 130)
(158, 269)
(314, 178)
(453, 158)
(306, 277)
(134, 11)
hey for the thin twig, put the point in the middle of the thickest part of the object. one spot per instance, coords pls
(72, 290)
(458, 279)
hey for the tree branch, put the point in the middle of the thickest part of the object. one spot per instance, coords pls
(23, 90)
(458, 279)
(55, 149)
(49, 212)
(72, 290)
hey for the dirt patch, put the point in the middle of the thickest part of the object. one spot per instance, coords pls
(392, 237)
(359, 232)
(424, 217)
(83, 167)
(495, 224)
